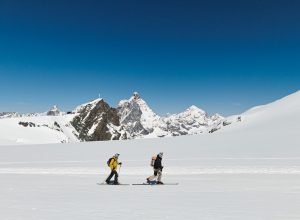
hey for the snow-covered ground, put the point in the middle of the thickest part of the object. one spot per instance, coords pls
(249, 170)
(43, 129)
(217, 180)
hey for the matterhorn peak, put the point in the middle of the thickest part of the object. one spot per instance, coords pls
(136, 95)
(135, 98)
(136, 116)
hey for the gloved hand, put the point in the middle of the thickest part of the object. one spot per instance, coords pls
(120, 163)
(161, 168)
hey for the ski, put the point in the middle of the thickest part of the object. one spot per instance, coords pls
(105, 184)
(151, 184)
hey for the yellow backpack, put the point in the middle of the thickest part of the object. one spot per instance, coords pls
(109, 160)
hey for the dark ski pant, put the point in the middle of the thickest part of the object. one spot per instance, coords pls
(113, 173)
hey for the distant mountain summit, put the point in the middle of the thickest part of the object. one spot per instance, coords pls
(192, 121)
(136, 117)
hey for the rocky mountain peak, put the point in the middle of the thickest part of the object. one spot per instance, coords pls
(136, 116)
(97, 121)
(136, 95)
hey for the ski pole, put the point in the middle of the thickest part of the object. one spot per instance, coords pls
(120, 169)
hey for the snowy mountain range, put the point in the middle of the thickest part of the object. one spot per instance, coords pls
(54, 111)
(138, 119)
(133, 118)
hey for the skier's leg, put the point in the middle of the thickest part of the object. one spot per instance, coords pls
(159, 174)
(116, 177)
(153, 177)
(109, 177)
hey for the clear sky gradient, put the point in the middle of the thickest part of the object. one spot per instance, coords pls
(222, 56)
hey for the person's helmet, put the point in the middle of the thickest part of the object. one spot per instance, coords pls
(161, 154)
(117, 155)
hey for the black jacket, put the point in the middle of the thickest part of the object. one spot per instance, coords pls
(157, 163)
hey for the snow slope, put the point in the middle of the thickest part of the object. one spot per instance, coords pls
(281, 116)
(248, 171)
(43, 129)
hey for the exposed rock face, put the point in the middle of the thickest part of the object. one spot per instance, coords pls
(26, 124)
(97, 121)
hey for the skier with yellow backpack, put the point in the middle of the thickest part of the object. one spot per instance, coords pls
(113, 165)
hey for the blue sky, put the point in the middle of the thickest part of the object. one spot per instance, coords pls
(223, 56)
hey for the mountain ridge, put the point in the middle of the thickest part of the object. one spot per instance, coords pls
(131, 119)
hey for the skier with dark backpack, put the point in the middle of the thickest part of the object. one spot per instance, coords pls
(157, 169)
(113, 165)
